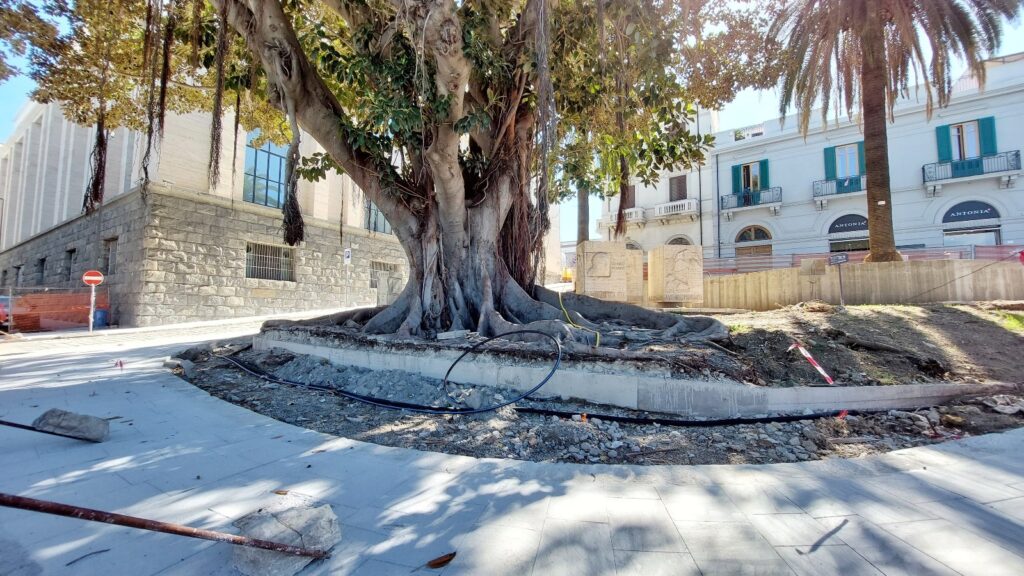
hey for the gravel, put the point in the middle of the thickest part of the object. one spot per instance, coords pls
(507, 433)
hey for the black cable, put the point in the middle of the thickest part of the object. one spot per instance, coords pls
(438, 410)
(395, 405)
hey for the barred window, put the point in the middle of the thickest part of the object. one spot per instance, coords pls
(264, 173)
(267, 262)
(375, 219)
(381, 270)
(70, 259)
(40, 271)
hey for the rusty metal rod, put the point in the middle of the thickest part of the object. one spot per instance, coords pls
(34, 429)
(59, 509)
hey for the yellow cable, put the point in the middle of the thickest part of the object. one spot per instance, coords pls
(597, 338)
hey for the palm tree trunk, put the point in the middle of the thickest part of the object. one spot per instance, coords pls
(876, 147)
(582, 217)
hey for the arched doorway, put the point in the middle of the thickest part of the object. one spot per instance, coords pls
(752, 234)
(971, 223)
(848, 234)
(680, 241)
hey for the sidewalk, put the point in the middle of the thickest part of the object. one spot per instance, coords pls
(179, 455)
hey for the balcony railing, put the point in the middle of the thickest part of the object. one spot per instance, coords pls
(840, 186)
(688, 206)
(990, 164)
(635, 215)
(752, 198)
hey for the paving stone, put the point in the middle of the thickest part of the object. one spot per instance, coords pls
(958, 548)
(889, 554)
(307, 527)
(688, 503)
(970, 486)
(580, 505)
(983, 520)
(731, 548)
(759, 499)
(571, 547)
(635, 563)
(1013, 508)
(827, 560)
(496, 549)
(642, 525)
(793, 530)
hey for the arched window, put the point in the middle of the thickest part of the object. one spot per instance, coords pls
(631, 245)
(679, 241)
(753, 234)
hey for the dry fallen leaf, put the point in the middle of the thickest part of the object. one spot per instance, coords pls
(441, 561)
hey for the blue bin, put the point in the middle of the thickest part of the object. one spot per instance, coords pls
(99, 319)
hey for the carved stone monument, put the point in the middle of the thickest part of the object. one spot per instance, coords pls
(610, 271)
(675, 274)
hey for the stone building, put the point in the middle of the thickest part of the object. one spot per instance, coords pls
(185, 251)
(766, 191)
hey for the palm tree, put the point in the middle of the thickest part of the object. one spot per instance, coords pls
(865, 52)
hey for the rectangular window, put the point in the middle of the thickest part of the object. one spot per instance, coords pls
(965, 141)
(375, 219)
(751, 174)
(847, 161)
(3, 278)
(109, 256)
(40, 271)
(265, 170)
(266, 262)
(17, 276)
(677, 188)
(70, 259)
(380, 272)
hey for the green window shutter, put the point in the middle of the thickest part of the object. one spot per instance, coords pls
(763, 168)
(737, 179)
(830, 163)
(944, 143)
(987, 134)
(860, 158)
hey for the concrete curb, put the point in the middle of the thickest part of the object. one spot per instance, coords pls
(623, 384)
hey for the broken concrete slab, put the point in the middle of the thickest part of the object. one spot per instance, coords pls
(188, 369)
(71, 424)
(305, 526)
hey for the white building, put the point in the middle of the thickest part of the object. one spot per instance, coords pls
(768, 190)
(189, 250)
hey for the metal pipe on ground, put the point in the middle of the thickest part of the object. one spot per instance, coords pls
(59, 509)
(66, 424)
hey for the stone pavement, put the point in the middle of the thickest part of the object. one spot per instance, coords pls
(178, 454)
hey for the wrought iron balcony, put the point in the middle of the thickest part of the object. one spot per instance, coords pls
(840, 186)
(989, 164)
(676, 208)
(750, 198)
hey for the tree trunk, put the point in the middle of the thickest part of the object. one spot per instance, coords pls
(582, 217)
(874, 76)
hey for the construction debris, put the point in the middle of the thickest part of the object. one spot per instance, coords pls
(66, 423)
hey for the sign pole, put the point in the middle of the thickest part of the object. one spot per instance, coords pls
(842, 302)
(92, 306)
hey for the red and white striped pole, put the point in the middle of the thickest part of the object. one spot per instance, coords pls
(796, 344)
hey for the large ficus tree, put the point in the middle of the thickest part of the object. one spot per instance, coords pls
(459, 120)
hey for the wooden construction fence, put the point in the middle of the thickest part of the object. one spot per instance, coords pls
(908, 282)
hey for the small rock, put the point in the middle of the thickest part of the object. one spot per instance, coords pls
(613, 454)
(952, 420)
(71, 424)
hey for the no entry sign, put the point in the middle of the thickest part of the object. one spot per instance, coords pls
(92, 278)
